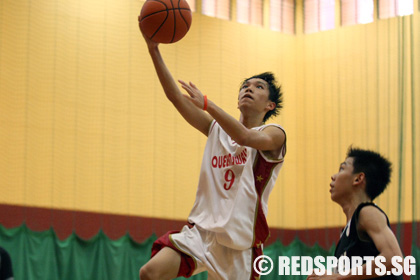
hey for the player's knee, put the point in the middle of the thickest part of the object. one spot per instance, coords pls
(146, 273)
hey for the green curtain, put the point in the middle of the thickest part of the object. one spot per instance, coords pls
(41, 255)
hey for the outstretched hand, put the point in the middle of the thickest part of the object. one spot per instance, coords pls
(149, 42)
(194, 94)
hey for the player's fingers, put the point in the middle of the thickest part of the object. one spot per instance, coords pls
(184, 84)
(195, 87)
(191, 92)
(188, 90)
(186, 87)
(199, 93)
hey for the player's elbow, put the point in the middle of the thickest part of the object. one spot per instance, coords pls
(245, 137)
(391, 257)
(176, 99)
(242, 139)
(172, 97)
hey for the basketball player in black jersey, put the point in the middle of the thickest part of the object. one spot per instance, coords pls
(361, 178)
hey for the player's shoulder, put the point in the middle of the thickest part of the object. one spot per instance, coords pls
(371, 215)
(369, 208)
(270, 126)
(371, 211)
(273, 128)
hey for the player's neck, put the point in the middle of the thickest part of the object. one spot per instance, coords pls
(348, 210)
(351, 204)
(250, 122)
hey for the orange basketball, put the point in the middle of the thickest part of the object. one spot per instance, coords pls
(165, 21)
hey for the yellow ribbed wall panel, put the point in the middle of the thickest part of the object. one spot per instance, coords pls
(85, 124)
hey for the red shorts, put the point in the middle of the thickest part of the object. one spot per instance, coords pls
(187, 265)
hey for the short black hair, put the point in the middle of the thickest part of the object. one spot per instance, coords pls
(275, 95)
(376, 168)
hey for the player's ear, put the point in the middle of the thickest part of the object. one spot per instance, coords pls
(359, 178)
(271, 105)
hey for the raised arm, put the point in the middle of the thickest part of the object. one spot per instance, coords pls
(270, 140)
(193, 115)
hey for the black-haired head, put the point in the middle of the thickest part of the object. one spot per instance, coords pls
(275, 93)
(377, 170)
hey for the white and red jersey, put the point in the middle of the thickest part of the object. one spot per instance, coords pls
(233, 189)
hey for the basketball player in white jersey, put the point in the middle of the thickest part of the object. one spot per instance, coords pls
(227, 225)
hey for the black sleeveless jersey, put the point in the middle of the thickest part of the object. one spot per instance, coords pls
(351, 244)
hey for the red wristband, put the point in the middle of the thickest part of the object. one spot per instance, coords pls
(205, 103)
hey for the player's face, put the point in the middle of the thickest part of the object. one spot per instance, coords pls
(254, 92)
(342, 182)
